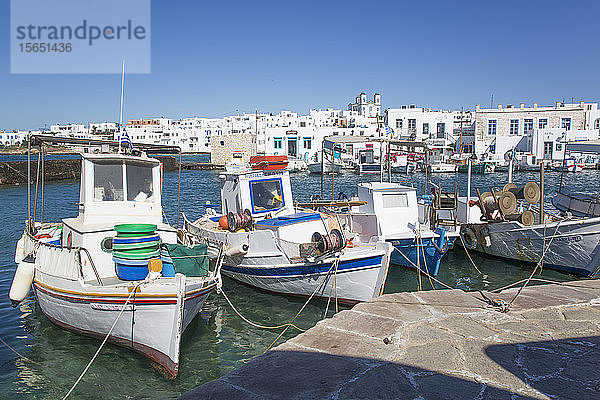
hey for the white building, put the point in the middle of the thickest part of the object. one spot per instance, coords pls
(500, 129)
(440, 128)
(13, 138)
(69, 130)
(366, 108)
(103, 127)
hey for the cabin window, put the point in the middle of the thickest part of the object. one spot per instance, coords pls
(139, 182)
(266, 195)
(108, 182)
(395, 200)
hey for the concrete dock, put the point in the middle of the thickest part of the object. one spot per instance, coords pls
(445, 344)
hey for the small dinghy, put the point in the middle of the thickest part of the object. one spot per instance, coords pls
(118, 261)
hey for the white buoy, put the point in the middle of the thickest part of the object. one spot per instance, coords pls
(240, 250)
(20, 252)
(21, 284)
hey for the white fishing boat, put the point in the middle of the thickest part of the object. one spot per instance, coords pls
(441, 167)
(579, 204)
(390, 212)
(507, 224)
(278, 247)
(117, 262)
(317, 168)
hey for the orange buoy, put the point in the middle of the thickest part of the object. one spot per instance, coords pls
(223, 224)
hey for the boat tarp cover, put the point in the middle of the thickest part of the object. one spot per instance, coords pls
(190, 261)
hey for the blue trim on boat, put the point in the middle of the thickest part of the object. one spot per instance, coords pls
(308, 269)
(131, 240)
(432, 259)
(289, 219)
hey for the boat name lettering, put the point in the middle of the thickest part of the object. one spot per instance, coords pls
(111, 307)
(263, 174)
(576, 238)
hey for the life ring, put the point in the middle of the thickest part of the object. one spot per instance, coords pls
(469, 238)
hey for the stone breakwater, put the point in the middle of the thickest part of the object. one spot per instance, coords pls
(445, 344)
(15, 172)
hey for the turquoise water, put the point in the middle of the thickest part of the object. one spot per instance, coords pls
(217, 341)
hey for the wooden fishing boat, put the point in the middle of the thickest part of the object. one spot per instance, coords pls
(117, 262)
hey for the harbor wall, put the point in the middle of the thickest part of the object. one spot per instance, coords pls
(15, 172)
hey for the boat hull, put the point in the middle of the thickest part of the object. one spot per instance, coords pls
(430, 252)
(315, 168)
(574, 249)
(354, 280)
(151, 324)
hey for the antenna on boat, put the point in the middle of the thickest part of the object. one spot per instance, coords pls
(121, 111)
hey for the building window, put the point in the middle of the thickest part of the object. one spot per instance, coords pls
(441, 130)
(307, 143)
(543, 123)
(597, 124)
(302, 124)
(527, 125)
(492, 127)
(277, 143)
(514, 126)
(558, 146)
(412, 124)
(426, 129)
(398, 124)
(565, 123)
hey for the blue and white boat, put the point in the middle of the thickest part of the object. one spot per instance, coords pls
(390, 212)
(275, 246)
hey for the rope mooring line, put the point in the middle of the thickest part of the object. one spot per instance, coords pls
(256, 325)
(104, 341)
(303, 307)
(468, 254)
(539, 262)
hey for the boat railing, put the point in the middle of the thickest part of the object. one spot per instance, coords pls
(57, 252)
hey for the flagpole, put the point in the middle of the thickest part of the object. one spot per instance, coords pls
(121, 112)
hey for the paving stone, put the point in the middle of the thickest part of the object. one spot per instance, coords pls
(493, 363)
(441, 386)
(465, 326)
(556, 388)
(340, 343)
(364, 324)
(546, 314)
(391, 309)
(382, 382)
(451, 301)
(449, 347)
(565, 329)
(437, 357)
(582, 313)
(298, 375)
(218, 390)
(525, 330)
(425, 332)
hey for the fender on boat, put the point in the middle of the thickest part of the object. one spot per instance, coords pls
(469, 237)
(20, 252)
(21, 284)
(239, 250)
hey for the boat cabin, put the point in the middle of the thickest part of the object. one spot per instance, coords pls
(115, 189)
(394, 205)
(265, 193)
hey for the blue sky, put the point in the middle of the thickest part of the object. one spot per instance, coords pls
(215, 58)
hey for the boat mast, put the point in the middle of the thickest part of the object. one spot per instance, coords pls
(121, 111)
